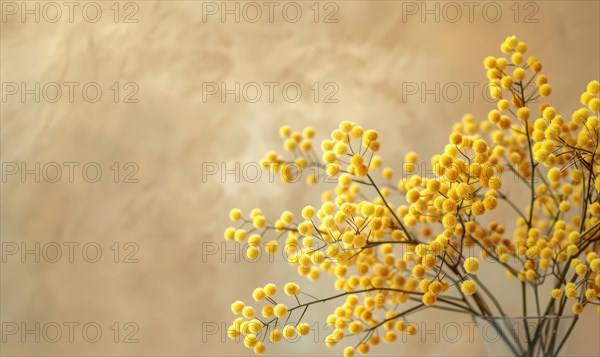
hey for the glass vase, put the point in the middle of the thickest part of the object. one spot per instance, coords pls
(525, 336)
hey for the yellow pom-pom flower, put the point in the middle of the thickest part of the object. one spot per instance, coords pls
(554, 175)
(237, 307)
(289, 331)
(489, 62)
(349, 351)
(303, 329)
(523, 114)
(275, 336)
(270, 289)
(418, 271)
(250, 340)
(280, 310)
(291, 288)
(478, 208)
(248, 312)
(258, 294)
(545, 90)
(308, 212)
(471, 265)
(252, 252)
(468, 287)
(593, 87)
(556, 293)
(235, 214)
(429, 299)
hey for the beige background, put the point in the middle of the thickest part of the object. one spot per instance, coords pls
(176, 293)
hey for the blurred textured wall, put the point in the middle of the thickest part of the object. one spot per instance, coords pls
(126, 111)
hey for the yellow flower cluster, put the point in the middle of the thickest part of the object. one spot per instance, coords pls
(391, 257)
(300, 144)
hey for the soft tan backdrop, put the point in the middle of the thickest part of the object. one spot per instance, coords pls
(176, 297)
